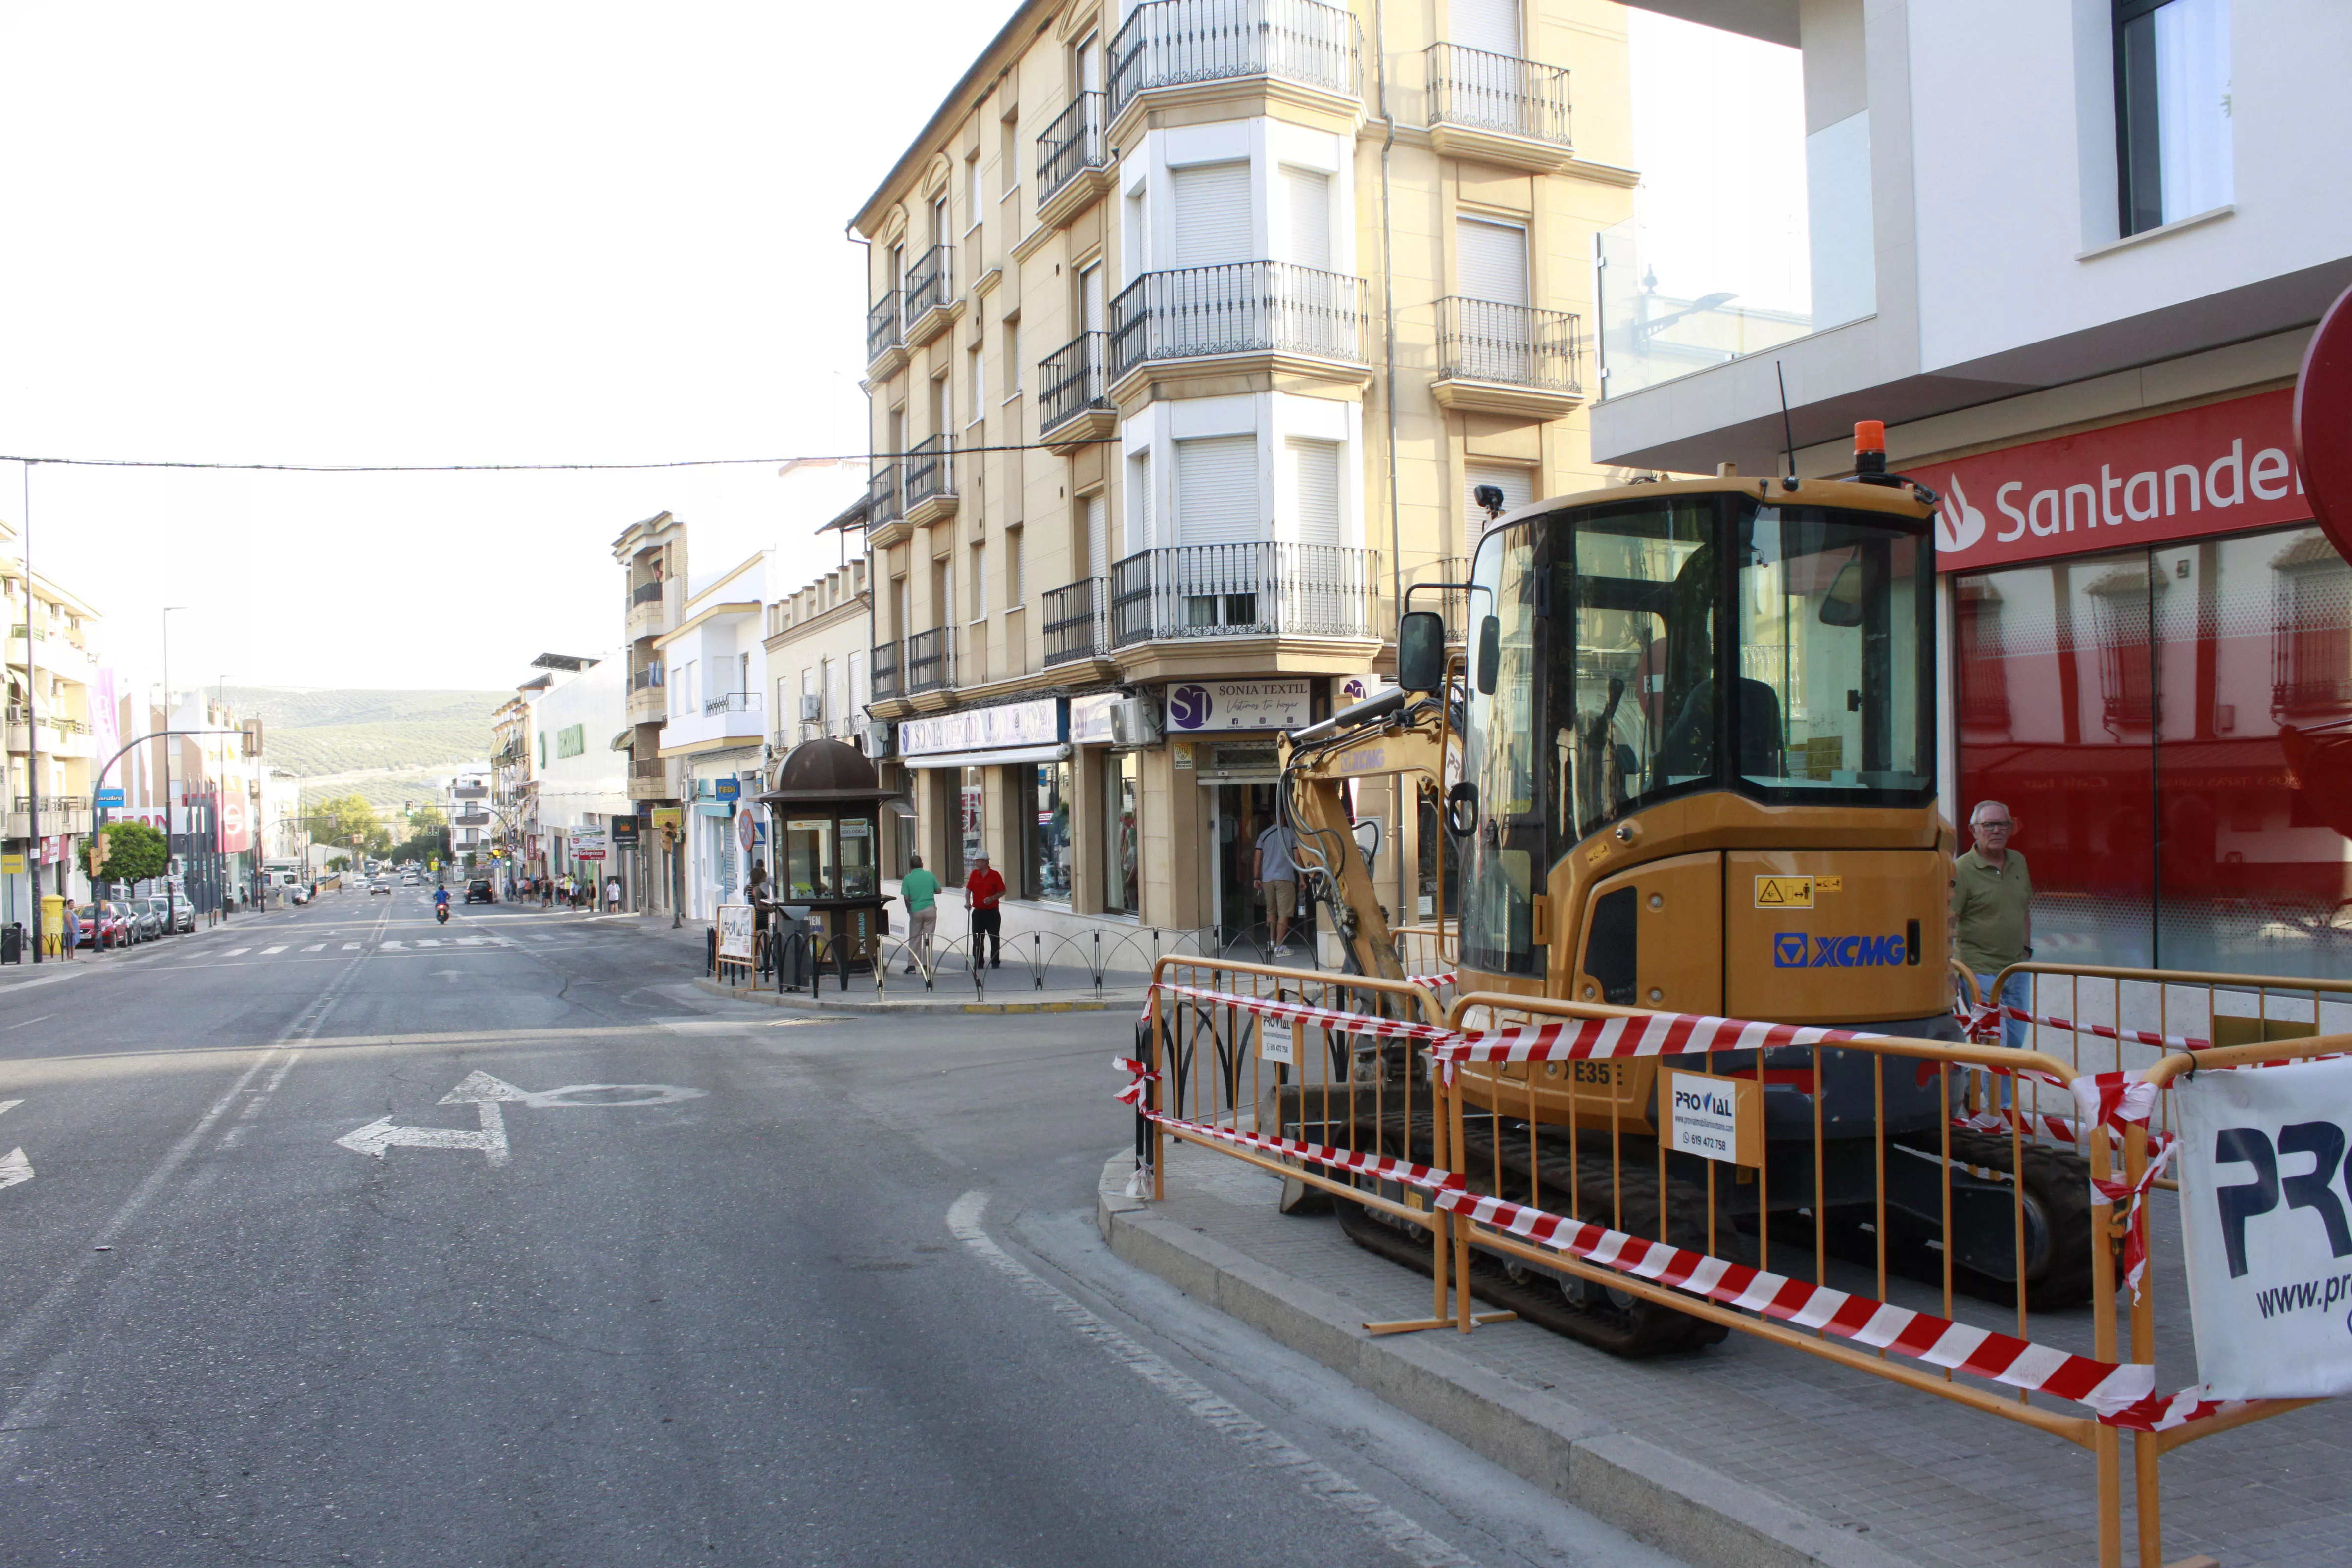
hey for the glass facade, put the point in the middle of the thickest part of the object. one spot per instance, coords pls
(1053, 798)
(2170, 727)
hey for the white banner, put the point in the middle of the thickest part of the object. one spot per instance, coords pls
(2266, 1223)
(735, 932)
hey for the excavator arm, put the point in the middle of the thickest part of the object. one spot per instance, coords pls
(1397, 732)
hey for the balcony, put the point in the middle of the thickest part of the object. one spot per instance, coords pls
(1511, 360)
(1258, 590)
(725, 716)
(50, 736)
(1452, 604)
(1496, 108)
(884, 671)
(650, 780)
(469, 792)
(1073, 170)
(1299, 47)
(646, 703)
(1077, 621)
(930, 482)
(60, 816)
(886, 519)
(886, 339)
(930, 661)
(1074, 405)
(1270, 315)
(470, 819)
(932, 305)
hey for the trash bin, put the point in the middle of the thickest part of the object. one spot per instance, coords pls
(12, 943)
(710, 950)
(790, 937)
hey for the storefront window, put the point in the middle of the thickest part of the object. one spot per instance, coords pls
(1049, 839)
(808, 858)
(973, 841)
(1122, 807)
(2161, 723)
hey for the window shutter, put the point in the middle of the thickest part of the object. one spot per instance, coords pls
(1216, 490)
(1212, 214)
(1315, 491)
(1491, 260)
(1098, 534)
(1489, 24)
(1518, 485)
(1139, 503)
(1090, 300)
(1308, 194)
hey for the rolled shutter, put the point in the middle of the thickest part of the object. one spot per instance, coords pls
(1315, 491)
(1216, 490)
(1489, 24)
(1308, 195)
(1518, 485)
(1491, 260)
(1212, 214)
(1098, 534)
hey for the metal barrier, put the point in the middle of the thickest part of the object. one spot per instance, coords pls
(1523, 1136)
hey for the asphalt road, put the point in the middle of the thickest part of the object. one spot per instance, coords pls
(811, 1292)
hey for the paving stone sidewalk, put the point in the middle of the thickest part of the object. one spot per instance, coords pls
(1924, 1479)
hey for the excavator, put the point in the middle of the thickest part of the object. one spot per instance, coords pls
(1686, 763)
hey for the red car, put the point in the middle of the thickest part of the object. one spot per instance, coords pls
(104, 925)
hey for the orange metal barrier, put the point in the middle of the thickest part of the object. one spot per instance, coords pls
(1871, 1214)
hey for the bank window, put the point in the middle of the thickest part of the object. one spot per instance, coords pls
(2172, 110)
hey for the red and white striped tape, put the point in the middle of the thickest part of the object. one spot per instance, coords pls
(1433, 981)
(2041, 1124)
(1984, 1027)
(1303, 1013)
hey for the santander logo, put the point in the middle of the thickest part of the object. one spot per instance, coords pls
(1959, 525)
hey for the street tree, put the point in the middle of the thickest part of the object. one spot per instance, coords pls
(134, 852)
(346, 817)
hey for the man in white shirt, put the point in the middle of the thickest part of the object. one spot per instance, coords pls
(1277, 876)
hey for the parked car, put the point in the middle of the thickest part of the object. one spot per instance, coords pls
(104, 925)
(182, 913)
(479, 892)
(147, 920)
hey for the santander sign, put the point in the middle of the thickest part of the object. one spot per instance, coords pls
(2224, 467)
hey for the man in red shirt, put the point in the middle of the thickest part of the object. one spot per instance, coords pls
(983, 890)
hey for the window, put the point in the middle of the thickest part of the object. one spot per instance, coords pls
(1008, 154)
(938, 406)
(1097, 507)
(1490, 261)
(902, 626)
(1216, 490)
(976, 384)
(972, 191)
(2172, 110)
(980, 582)
(837, 697)
(939, 219)
(1122, 804)
(1012, 356)
(1314, 491)
(1517, 483)
(1139, 501)
(1489, 24)
(1013, 568)
(1212, 214)
(861, 691)
(783, 703)
(1308, 239)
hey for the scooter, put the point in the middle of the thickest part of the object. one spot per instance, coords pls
(441, 913)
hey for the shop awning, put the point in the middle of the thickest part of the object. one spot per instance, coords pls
(1008, 755)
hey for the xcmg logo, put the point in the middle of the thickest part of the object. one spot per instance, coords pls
(1795, 950)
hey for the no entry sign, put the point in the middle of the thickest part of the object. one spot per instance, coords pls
(2323, 423)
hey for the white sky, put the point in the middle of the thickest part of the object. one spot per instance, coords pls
(511, 232)
(421, 233)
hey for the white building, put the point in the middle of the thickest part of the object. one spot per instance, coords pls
(716, 728)
(2070, 251)
(580, 761)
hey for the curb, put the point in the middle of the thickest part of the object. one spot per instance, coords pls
(1698, 1514)
(1110, 1002)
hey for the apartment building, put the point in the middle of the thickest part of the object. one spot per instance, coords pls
(652, 556)
(1194, 325)
(61, 705)
(2078, 261)
(580, 755)
(714, 730)
(819, 643)
(514, 789)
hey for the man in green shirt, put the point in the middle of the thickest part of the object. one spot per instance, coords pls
(922, 891)
(1992, 914)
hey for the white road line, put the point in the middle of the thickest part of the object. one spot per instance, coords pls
(28, 1024)
(316, 947)
(236, 951)
(14, 1168)
(350, 947)
(8, 1105)
(1266, 1448)
(268, 950)
(391, 944)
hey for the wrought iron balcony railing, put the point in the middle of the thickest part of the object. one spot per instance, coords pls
(930, 660)
(1070, 381)
(929, 281)
(649, 677)
(1071, 145)
(1512, 97)
(931, 469)
(884, 329)
(646, 594)
(1172, 43)
(1243, 307)
(1480, 340)
(732, 702)
(649, 768)
(882, 496)
(1260, 589)
(1077, 621)
(885, 667)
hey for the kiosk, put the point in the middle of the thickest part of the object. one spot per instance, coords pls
(826, 841)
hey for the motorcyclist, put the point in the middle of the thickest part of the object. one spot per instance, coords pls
(441, 905)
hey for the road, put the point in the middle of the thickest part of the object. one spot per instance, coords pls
(810, 1292)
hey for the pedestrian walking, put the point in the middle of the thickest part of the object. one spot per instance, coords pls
(1277, 875)
(922, 891)
(983, 892)
(1993, 915)
(546, 893)
(612, 895)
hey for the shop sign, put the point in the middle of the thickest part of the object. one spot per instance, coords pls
(726, 789)
(1195, 706)
(234, 838)
(2221, 468)
(1361, 689)
(624, 833)
(669, 819)
(2323, 423)
(586, 838)
(1036, 723)
(1090, 719)
(12, 864)
(108, 800)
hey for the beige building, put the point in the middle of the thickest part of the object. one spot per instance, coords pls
(1195, 325)
(61, 712)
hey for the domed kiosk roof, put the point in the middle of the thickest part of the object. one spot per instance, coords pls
(825, 773)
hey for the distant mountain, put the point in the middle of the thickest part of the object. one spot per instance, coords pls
(321, 733)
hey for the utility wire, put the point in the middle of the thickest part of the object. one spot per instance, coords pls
(532, 467)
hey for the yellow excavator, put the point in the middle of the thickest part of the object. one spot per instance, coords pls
(1687, 762)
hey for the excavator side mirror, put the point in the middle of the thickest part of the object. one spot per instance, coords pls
(1421, 651)
(1490, 654)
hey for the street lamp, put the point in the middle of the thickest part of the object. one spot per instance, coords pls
(171, 906)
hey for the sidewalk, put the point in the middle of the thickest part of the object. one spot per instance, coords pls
(52, 968)
(1745, 1453)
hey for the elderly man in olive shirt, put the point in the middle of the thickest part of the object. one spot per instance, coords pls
(1992, 914)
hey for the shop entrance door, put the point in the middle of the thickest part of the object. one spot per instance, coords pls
(1242, 812)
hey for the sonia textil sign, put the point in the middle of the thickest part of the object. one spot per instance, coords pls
(2266, 1224)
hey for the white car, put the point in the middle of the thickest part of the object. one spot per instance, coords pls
(380, 885)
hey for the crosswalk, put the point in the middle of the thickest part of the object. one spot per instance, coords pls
(556, 940)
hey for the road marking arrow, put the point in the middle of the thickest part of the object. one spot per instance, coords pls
(8, 1105)
(481, 1088)
(380, 1134)
(14, 1167)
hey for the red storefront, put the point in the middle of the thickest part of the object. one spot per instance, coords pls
(2151, 648)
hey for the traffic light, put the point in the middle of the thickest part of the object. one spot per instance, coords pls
(99, 847)
(252, 741)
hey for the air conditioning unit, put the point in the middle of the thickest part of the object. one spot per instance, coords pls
(811, 708)
(1134, 722)
(878, 740)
